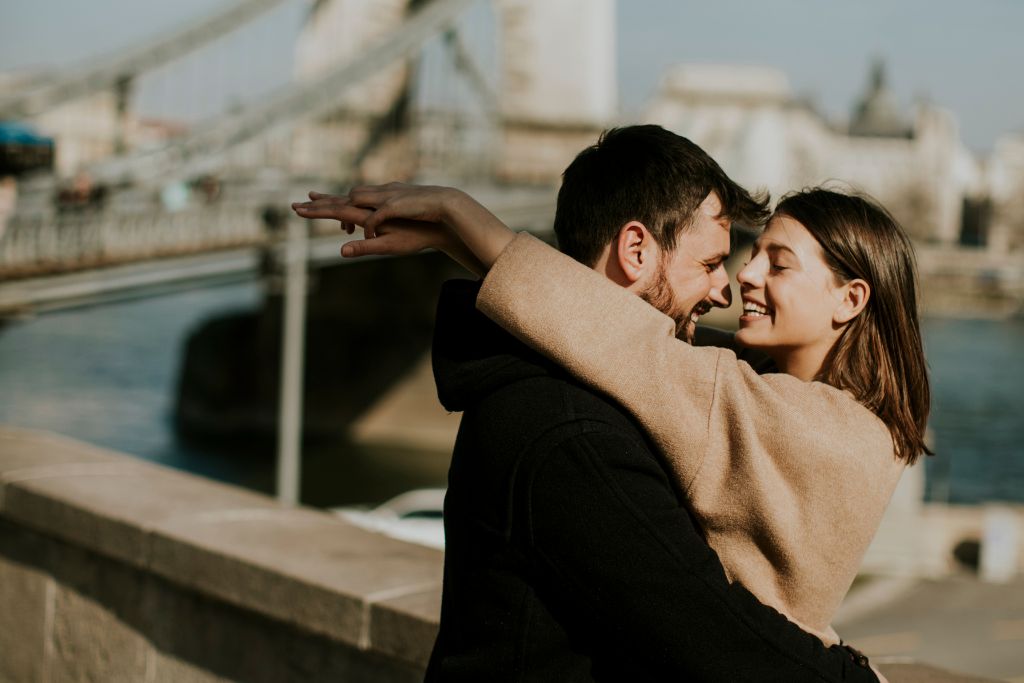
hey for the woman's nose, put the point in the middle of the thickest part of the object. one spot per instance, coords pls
(748, 275)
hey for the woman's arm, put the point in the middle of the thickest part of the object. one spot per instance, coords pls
(402, 219)
(596, 329)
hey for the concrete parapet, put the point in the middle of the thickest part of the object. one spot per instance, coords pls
(114, 569)
(918, 673)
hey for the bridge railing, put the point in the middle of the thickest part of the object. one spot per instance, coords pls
(89, 238)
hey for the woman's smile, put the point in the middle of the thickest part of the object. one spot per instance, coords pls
(753, 311)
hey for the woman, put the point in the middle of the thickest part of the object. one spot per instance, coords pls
(788, 473)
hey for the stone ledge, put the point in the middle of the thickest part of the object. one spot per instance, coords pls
(297, 565)
(922, 673)
(290, 565)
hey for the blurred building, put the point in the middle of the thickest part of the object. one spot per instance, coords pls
(91, 129)
(748, 119)
(84, 131)
(1006, 186)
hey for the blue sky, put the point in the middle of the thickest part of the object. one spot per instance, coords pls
(965, 56)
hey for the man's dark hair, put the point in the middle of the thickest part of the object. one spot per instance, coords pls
(647, 174)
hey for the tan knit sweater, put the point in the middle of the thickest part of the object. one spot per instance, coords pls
(788, 479)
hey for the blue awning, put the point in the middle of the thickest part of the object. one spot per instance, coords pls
(13, 132)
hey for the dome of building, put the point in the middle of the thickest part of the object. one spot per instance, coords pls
(877, 114)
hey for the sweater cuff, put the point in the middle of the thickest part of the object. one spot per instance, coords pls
(521, 260)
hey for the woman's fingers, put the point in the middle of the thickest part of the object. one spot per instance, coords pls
(398, 200)
(397, 238)
(408, 212)
(391, 201)
(335, 208)
(329, 208)
(388, 244)
(375, 247)
(374, 195)
(370, 195)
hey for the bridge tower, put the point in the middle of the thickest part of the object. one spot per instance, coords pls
(558, 83)
(356, 138)
(556, 88)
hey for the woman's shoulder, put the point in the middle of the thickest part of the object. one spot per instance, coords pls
(817, 411)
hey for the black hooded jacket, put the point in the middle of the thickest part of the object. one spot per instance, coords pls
(570, 556)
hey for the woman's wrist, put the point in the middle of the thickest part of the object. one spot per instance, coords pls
(454, 205)
(456, 250)
(479, 229)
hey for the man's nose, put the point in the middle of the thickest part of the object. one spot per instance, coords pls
(721, 293)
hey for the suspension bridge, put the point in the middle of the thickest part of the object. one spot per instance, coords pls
(402, 89)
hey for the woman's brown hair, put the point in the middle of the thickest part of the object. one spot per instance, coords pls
(879, 357)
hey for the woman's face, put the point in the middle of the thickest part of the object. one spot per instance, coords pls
(790, 296)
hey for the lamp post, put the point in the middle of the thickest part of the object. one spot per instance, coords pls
(289, 434)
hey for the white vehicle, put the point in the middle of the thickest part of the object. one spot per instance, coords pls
(415, 516)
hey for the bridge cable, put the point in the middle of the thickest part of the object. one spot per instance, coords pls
(204, 149)
(109, 72)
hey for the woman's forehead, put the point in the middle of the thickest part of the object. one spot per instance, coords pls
(784, 233)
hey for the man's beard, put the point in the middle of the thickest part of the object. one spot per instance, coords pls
(660, 295)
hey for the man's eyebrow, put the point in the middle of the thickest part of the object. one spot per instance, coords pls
(720, 256)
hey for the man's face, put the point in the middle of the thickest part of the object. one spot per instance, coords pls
(692, 278)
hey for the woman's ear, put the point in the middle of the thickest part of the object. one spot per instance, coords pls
(856, 293)
(634, 251)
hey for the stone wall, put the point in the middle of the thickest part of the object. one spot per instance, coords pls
(114, 569)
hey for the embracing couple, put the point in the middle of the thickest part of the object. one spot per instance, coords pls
(632, 498)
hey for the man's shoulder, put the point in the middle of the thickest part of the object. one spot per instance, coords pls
(549, 397)
(479, 367)
(513, 400)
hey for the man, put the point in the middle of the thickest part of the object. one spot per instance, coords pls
(570, 556)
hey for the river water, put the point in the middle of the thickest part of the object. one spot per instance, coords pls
(107, 375)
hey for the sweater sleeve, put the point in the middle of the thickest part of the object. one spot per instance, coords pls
(610, 339)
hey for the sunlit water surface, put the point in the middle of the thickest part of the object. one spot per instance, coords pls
(107, 375)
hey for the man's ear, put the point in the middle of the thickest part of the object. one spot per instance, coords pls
(856, 293)
(634, 251)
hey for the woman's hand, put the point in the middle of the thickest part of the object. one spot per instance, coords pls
(381, 236)
(416, 217)
(400, 201)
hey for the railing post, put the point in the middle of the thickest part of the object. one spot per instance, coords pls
(289, 441)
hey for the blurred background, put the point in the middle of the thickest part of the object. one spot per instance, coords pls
(148, 153)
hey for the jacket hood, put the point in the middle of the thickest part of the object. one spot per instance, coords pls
(472, 356)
